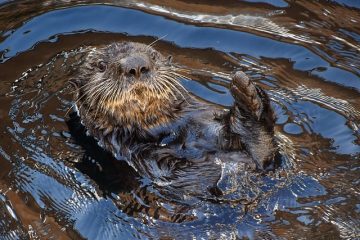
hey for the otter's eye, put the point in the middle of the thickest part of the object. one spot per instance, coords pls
(102, 66)
(169, 59)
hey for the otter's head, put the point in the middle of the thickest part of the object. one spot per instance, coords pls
(128, 84)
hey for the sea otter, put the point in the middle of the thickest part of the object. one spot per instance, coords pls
(130, 99)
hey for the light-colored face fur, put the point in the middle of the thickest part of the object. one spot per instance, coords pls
(129, 83)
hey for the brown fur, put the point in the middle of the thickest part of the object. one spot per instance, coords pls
(130, 99)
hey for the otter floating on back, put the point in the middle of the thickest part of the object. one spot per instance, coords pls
(130, 99)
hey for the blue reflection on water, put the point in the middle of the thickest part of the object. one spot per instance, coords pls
(119, 20)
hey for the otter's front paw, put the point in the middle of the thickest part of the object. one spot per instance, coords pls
(246, 95)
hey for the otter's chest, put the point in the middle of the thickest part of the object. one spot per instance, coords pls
(194, 139)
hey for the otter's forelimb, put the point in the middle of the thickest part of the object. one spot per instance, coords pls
(252, 119)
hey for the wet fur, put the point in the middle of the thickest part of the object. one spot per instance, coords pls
(162, 131)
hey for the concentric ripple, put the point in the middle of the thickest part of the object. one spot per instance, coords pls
(56, 182)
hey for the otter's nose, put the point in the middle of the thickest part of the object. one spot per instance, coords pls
(135, 65)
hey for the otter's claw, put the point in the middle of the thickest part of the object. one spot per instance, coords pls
(246, 95)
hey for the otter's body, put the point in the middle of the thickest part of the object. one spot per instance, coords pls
(129, 98)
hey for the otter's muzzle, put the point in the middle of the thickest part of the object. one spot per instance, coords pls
(135, 65)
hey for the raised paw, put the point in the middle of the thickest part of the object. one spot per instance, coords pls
(246, 95)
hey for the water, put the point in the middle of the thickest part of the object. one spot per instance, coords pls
(56, 184)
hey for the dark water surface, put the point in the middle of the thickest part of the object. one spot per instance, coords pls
(55, 183)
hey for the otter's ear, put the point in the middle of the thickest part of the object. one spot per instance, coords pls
(169, 59)
(75, 82)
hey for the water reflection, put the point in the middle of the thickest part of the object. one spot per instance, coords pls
(55, 181)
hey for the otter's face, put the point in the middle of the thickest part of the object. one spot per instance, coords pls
(128, 81)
